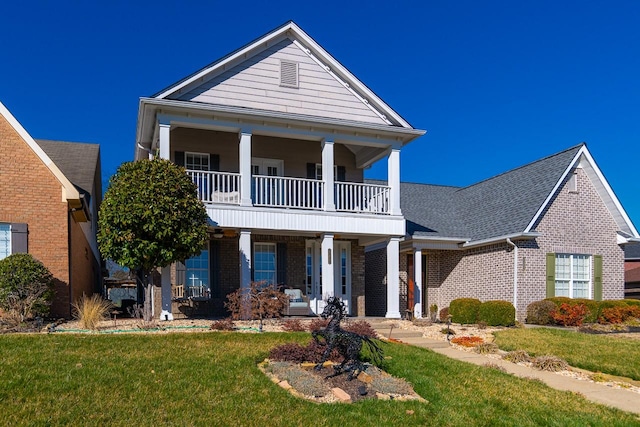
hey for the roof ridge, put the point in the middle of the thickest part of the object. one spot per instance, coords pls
(582, 144)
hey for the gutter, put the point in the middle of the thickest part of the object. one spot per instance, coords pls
(515, 274)
(516, 236)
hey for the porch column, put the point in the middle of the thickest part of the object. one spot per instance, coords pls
(164, 133)
(328, 276)
(393, 165)
(417, 280)
(245, 168)
(393, 278)
(327, 176)
(244, 245)
(165, 277)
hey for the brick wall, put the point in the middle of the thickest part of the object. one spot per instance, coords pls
(31, 194)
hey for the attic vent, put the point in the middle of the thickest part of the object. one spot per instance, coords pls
(288, 74)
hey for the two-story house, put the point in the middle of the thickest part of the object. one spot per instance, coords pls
(276, 135)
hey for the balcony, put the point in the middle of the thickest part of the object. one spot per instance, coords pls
(291, 193)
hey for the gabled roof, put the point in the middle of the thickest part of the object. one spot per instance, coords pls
(294, 33)
(632, 252)
(80, 162)
(70, 193)
(509, 204)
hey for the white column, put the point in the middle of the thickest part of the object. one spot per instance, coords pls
(328, 276)
(393, 278)
(393, 165)
(165, 277)
(327, 176)
(164, 144)
(417, 280)
(244, 246)
(245, 168)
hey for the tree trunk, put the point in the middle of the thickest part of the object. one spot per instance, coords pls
(148, 298)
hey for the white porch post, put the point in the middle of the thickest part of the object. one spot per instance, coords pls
(244, 246)
(245, 168)
(328, 277)
(327, 176)
(393, 165)
(393, 278)
(164, 143)
(165, 277)
(417, 280)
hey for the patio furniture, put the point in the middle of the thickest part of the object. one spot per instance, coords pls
(298, 303)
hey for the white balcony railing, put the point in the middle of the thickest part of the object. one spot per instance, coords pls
(293, 193)
(283, 192)
(217, 187)
(357, 197)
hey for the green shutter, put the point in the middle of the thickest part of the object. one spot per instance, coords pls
(551, 275)
(597, 277)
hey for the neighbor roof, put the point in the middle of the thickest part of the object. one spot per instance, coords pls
(632, 252)
(504, 205)
(78, 161)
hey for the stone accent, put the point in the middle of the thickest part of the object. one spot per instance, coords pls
(341, 395)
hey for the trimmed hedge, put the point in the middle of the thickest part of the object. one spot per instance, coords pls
(497, 313)
(592, 306)
(539, 312)
(464, 310)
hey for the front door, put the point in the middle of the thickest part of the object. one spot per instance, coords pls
(341, 273)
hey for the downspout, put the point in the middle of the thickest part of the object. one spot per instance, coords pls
(515, 275)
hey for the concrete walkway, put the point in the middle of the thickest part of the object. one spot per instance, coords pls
(618, 398)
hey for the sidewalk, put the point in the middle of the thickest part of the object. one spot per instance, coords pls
(618, 398)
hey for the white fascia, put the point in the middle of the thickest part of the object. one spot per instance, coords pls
(515, 236)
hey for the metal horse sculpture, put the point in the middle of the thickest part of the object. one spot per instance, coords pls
(347, 343)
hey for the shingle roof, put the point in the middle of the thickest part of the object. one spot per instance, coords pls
(499, 206)
(79, 162)
(632, 251)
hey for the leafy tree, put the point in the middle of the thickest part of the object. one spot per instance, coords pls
(26, 286)
(151, 217)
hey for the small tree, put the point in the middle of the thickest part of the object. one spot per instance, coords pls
(26, 286)
(258, 302)
(151, 217)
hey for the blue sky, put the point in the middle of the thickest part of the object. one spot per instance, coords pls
(496, 84)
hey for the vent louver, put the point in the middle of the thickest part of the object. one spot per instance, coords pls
(288, 74)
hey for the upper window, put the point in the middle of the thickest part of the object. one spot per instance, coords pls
(573, 276)
(5, 240)
(196, 161)
(288, 74)
(264, 263)
(319, 171)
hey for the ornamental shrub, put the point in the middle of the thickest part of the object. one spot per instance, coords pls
(617, 315)
(444, 314)
(467, 341)
(26, 286)
(570, 315)
(593, 307)
(464, 310)
(497, 313)
(539, 312)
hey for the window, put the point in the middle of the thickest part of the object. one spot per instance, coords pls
(264, 263)
(196, 161)
(197, 275)
(573, 276)
(5, 240)
(319, 171)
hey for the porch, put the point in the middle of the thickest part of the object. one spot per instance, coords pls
(291, 193)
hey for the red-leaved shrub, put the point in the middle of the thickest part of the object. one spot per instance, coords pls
(293, 325)
(467, 341)
(294, 352)
(317, 324)
(616, 315)
(360, 327)
(570, 315)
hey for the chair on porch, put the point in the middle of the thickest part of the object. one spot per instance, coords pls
(183, 304)
(298, 303)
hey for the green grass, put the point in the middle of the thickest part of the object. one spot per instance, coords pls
(598, 353)
(212, 379)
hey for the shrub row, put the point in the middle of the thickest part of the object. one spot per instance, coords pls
(574, 312)
(493, 313)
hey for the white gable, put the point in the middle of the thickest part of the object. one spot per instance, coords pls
(255, 83)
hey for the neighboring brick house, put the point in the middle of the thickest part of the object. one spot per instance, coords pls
(553, 227)
(632, 271)
(257, 131)
(49, 197)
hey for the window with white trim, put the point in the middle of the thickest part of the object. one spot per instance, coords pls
(196, 161)
(573, 276)
(264, 263)
(319, 171)
(5, 240)
(197, 275)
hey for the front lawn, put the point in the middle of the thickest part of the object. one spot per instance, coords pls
(212, 379)
(608, 354)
